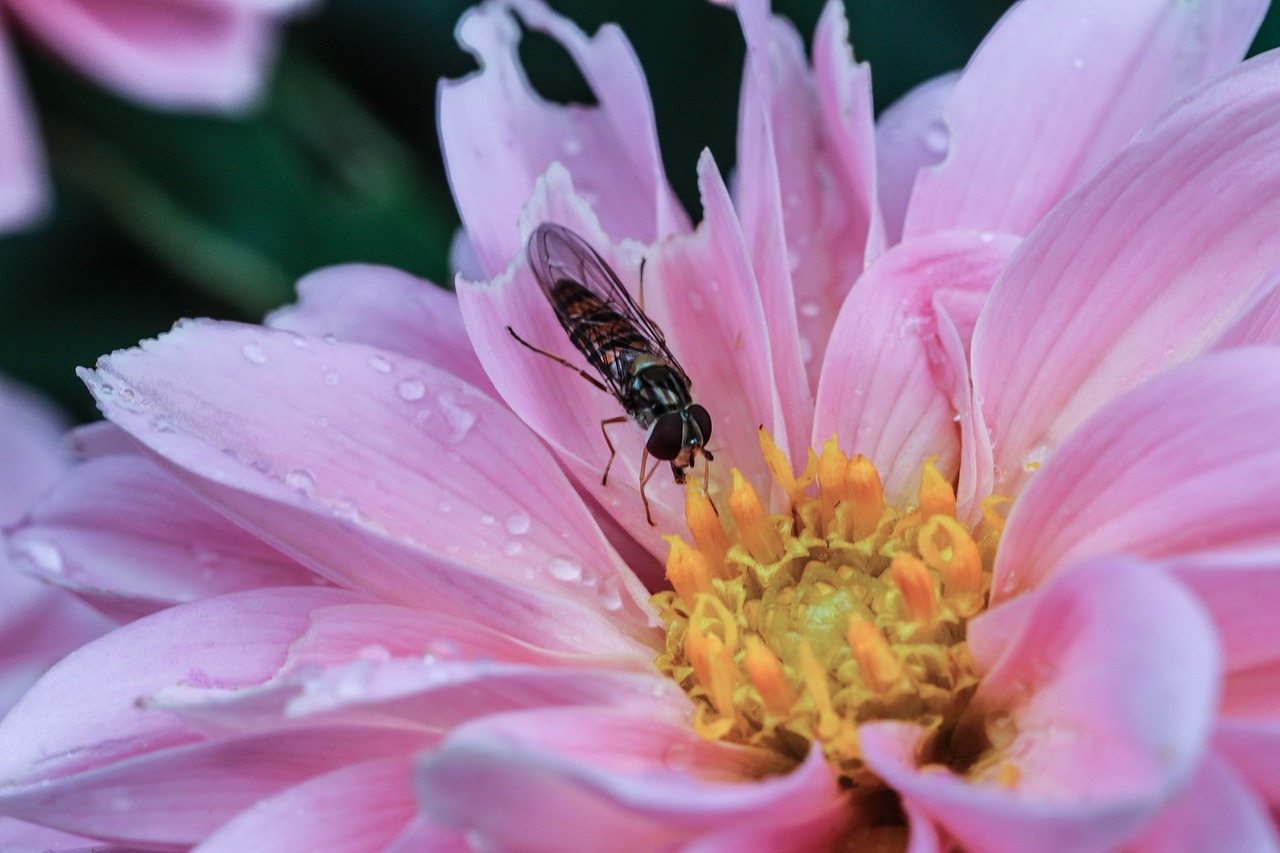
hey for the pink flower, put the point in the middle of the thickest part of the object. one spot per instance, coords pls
(389, 604)
(181, 54)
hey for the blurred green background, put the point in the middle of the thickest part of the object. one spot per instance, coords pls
(160, 216)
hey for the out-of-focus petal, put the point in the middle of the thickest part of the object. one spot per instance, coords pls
(910, 136)
(569, 780)
(355, 809)
(31, 451)
(385, 308)
(498, 135)
(160, 52)
(1217, 811)
(700, 289)
(1259, 321)
(1055, 90)
(19, 836)
(1096, 735)
(1253, 747)
(1140, 269)
(449, 504)
(24, 188)
(126, 536)
(1176, 468)
(894, 382)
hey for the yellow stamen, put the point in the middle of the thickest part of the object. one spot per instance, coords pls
(793, 484)
(767, 676)
(991, 515)
(687, 570)
(715, 668)
(916, 585)
(833, 466)
(866, 495)
(875, 659)
(956, 558)
(935, 494)
(754, 527)
(815, 678)
(704, 523)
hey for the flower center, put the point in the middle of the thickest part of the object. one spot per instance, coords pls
(792, 628)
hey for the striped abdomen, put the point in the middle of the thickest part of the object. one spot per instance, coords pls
(598, 331)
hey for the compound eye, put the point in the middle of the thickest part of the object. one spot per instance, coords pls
(702, 418)
(666, 436)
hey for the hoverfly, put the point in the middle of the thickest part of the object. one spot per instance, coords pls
(626, 348)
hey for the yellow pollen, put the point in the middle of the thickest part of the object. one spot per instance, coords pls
(841, 609)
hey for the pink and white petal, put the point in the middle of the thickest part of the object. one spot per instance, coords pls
(24, 188)
(1176, 468)
(498, 135)
(409, 484)
(1253, 748)
(173, 797)
(101, 438)
(1217, 811)
(848, 124)
(166, 54)
(32, 455)
(1055, 90)
(910, 135)
(354, 809)
(1259, 321)
(1093, 752)
(894, 382)
(1139, 270)
(699, 289)
(574, 779)
(19, 836)
(804, 249)
(388, 309)
(130, 539)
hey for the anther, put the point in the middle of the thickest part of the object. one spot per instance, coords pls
(833, 466)
(935, 495)
(916, 586)
(879, 668)
(768, 677)
(793, 484)
(687, 570)
(955, 558)
(754, 527)
(704, 523)
(866, 494)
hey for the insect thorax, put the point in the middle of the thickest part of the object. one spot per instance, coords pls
(655, 389)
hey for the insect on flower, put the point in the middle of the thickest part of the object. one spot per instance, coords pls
(625, 347)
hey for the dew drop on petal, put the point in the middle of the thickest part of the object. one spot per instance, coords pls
(302, 480)
(42, 554)
(163, 423)
(512, 548)
(517, 523)
(810, 309)
(253, 352)
(488, 519)
(379, 364)
(610, 596)
(572, 145)
(411, 389)
(936, 139)
(332, 378)
(678, 756)
(564, 570)
(460, 419)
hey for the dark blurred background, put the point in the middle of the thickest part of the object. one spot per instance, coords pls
(160, 216)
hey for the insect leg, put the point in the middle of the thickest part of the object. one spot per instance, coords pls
(556, 358)
(604, 481)
(643, 261)
(644, 480)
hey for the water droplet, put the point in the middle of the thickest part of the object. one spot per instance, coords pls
(411, 389)
(460, 419)
(564, 570)
(205, 556)
(302, 480)
(572, 145)
(806, 349)
(517, 523)
(810, 309)
(300, 342)
(374, 652)
(332, 378)
(163, 423)
(512, 548)
(488, 519)
(936, 139)
(253, 352)
(444, 649)
(42, 554)
(678, 756)
(345, 508)
(987, 237)
(445, 506)
(1077, 63)
(330, 339)
(610, 596)
(379, 364)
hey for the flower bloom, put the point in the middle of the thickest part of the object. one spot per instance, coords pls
(185, 54)
(984, 558)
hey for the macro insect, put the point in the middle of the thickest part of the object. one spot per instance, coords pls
(626, 348)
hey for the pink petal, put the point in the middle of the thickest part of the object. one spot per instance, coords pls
(580, 780)
(407, 484)
(1139, 270)
(806, 228)
(895, 378)
(910, 136)
(498, 135)
(129, 538)
(1253, 748)
(1109, 691)
(357, 808)
(1174, 469)
(1259, 321)
(31, 451)
(1055, 90)
(175, 796)
(844, 97)
(160, 52)
(386, 308)
(1216, 812)
(24, 189)
(19, 836)
(700, 290)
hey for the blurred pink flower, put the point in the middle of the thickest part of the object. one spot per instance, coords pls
(387, 604)
(169, 54)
